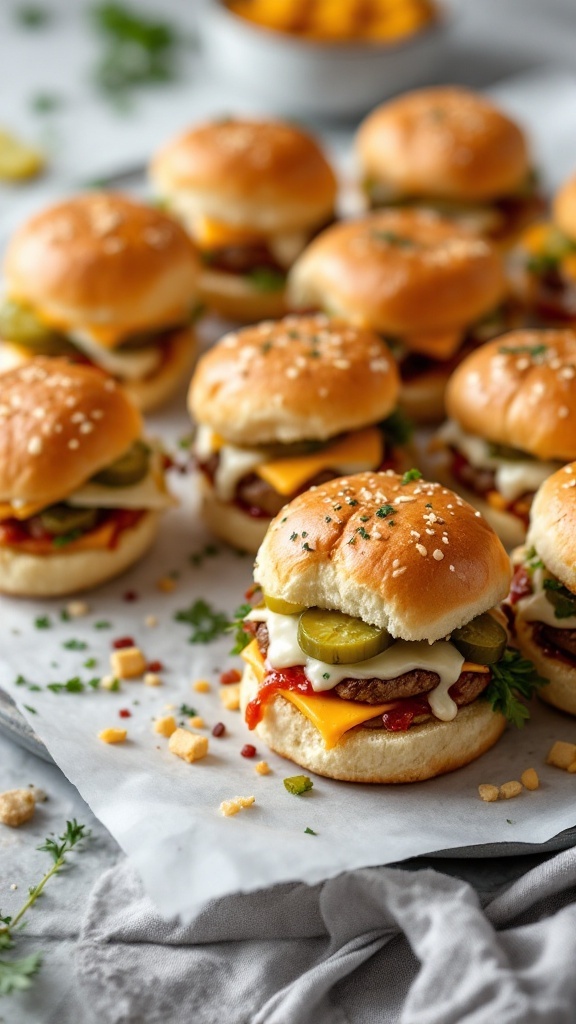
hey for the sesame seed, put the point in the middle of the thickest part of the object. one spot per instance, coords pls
(451, 567)
(86, 428)
(478, 515)
(421, 550)
(395, 563)
(438, 555)
(398, 572)
(74, 443)
(563, 412)
(35, 445)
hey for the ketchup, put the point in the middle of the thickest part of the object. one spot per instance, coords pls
(521, 585)
(278, 679)
(400, 718)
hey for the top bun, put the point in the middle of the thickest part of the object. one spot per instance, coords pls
(399, 271)
(445, 143)
(429, 564)
(105, 263)
(262, 175)
(553, 524)
(301, 378)
(520, 390)
(564, 208)
(61, 424)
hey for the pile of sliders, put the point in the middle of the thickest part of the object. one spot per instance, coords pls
(391, 636)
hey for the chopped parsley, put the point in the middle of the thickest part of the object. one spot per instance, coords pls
(327, 519)
(385, 510)
(75, 645)
(186, 711)
(45, 103)
(90, 663)
(102, 624)
(266, 279)
(410, 475)
(564, 600)
(241, 637)
(293, 536)
(523, 350)
(137, 50)
(208, 551)
(325, 675)
(352, 502)
(310, 832)
(363, 533)
(74, 685)
(32, 16)
(21, 681)
(207, 624)
(29, 708)
(306, 546)
(513, 678)
(43, 622)
(298, 784)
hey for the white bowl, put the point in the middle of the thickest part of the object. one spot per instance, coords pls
(296, 76)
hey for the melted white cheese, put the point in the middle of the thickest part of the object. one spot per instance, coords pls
(441, 657)
(513, 477)
(149, 493)
(128, 365)
(537, 608)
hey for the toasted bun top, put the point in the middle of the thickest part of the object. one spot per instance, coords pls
(263, 175)
(419, 585)
(60, 424)
(520, 390)
(300, 378)
(444, 142)
(399, 271)
(564, 207)
(552, 528)
(105, 263)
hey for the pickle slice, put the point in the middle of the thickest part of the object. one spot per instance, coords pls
(21, 325)
(62, 519)
(129, 469)
(339, 639)
(277, 604)
(482, 640)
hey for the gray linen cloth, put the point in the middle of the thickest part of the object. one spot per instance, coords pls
(368, 947)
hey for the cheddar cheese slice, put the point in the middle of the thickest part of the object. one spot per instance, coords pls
(363, 448)
(437, 346)
(333, 716)
(251, 655)
(213, 234)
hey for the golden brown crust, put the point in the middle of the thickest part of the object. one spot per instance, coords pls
(437, 566)
(259, 174)
(399, 272)
(444, 142)
(564, 207)
(61, 423)
(376, 755)
(552, 528)
(520, 390)
(300, 378)
(103, 262)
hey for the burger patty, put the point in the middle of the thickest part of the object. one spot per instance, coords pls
(564, 639)
(410, 684)
(241, 259)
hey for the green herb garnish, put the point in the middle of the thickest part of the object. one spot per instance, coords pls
(74, 685)
(266, 279)
(564, 600)
(310, 832)
(207, 624)
(45, 103)
(138, 50)
(32, 16)
(298, 784)
(66, 538)
(393, 238)
(523, 350)
(42, 622)
(241, 637)
(385, 510)
(102, 624)
(410, 475)
(398, 428)
(513, 678)
(186, 711)
(75, 645)
(363, 533)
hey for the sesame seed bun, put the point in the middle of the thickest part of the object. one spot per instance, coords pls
(524, 396)
(399, 272)
(564, 208)
(229, 522)
(377, 755)
(553, 525)
(102, 262)
(443, 142)
(300, 378)
(235, 297)
(263, 175)
(61, 424)
(415, 584)
(67, 572)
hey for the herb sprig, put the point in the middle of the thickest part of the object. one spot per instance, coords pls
(513, 678)
(241, 637)
(207, 624)
(16, 975)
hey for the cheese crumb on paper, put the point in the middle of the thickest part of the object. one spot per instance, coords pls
(238, 803)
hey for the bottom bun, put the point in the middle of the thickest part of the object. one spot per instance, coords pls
(376, 755)
(26, 575)
(561, 688)
(422, 397)
(230, 523)
(236, 298)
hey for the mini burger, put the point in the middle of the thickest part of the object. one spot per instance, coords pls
(512, 423)
(286, 405)
(80, 490)
(450, 149)
(430, 288)
(543, 593)
(252, 194)
(377, 654)
(543, 265)
(106, 281)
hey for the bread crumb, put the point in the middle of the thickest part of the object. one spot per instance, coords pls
(262, 768)
(510, 789)
(529, 779)
(77, 609)
(572, 768)
(165, 726)
(150, 621)
(201, 686)
(230, 697)
(561, 754)
(112, 735)
(128, 663)
(167, 584)
(16, 807)
(152, 679)
(196, 722)
(488, 793)
(238, 803)
(188, 745)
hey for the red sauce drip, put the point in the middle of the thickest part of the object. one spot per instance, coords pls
(279, 679)
(521, 585)
(400, 718)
